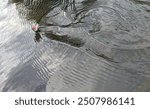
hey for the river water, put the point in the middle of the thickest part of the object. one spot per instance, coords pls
(82, 45)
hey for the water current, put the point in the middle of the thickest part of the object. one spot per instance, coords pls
(81, 45)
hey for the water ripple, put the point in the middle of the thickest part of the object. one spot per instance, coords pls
(83, 45)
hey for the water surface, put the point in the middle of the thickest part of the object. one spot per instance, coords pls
(83, 45)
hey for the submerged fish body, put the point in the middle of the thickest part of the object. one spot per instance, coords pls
(114, 42)
(105, 27)
(82, 45)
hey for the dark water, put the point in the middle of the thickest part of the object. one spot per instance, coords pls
(83, 45)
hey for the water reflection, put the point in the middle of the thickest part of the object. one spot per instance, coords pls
(18, 49)
(34, 10)
(82, 45)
